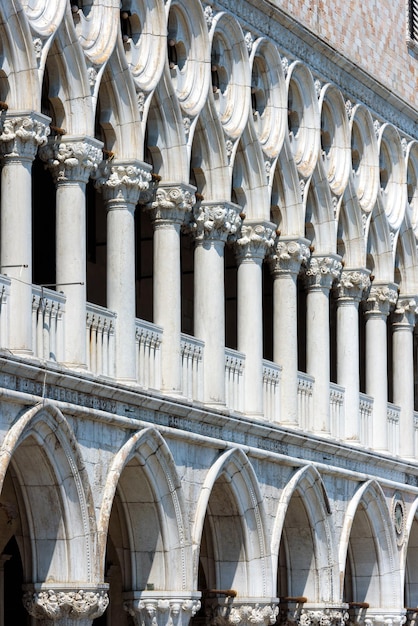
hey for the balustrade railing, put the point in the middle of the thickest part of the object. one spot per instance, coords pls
(4, 311)
(234, 380)
(366, 419)
(100, 340)
(336, 410)
(305, 400)
(271, 390)
(393, 422)
(191, 367)
(47, 323)
(148, 338)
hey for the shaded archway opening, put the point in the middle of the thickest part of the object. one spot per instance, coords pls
(411, 569)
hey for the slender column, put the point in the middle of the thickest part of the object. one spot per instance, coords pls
(22, 134)
(382, 297)
(213, 224)
(71, 164)
(121, 184)
(255, 240)
(403, 370)
(168, 212)
(150, 608)
(66, 607)
(285, 263)
(350, 291)
(321, 273)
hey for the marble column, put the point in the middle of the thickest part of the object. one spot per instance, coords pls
(350, 290)
(66, 607)
(164, 609)
(255, 240)
(285, 262)
(213, 224)
(322, 271)
(121, 185)
(403, 370)
(168, 212)
(381, 299)
(23, 134)
(71, 164)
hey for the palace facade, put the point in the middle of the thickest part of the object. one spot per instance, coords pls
(209, 286)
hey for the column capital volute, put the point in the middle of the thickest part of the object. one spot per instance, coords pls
(381, 299)
(254, 241)
(171, 203)
(215, 221)
(287, 255)
(72, 159)
(122, 182)
(405, 312)
(352, 285)
(22, 133)
(322, 271)
(161, 609)
(72, 607)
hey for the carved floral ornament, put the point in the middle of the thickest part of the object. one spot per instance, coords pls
(326, 617)
(171, 204)
(215, 222)
(353, 284)
(405, 311)
(122, 181)
(322, 271)
(288, 256)
(247, 615)
(22, 136)
(255, 241)
(72, 161)
(381, 299)
(51, 605)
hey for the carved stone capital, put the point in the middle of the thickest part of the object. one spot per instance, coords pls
(404, 313)
(253, 614)
(161, 611)
(123, 182)
(381, 299)
(22, 135)
(322, 617)
(322, 271)
(171, 204)
(287, 256)
(68, 607)
(255, 241)
(73, 160)
(374, 617)
(352, 285)
(214, 221)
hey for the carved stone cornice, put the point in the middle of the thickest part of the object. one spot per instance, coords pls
(381, 300)
(404, 313)
(322, 271)
(171, 204)
(287, 256)
(154, 611)
(215, 221)
(22, 135)
(73, 160)
(352, 285)
(254, 241)
(123, 182)
(68, 607)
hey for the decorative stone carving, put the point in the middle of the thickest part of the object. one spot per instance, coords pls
(287, 256)
(404, 313)
(253, 614)
(163, 611)
(22, 136)
(123, 181)
(215, 222)
(37, 46)
(325, 617)
(249, 40)
(171, 204)
(349, 108)
(285, 65)
(255, 241)
(352, 285)
(318, 87)
(70, 607)
(209, 15)
(72, 161)
(322, 271)
(381, 299)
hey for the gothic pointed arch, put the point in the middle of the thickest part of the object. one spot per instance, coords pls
(409, 556)
(319, 212)
(286, 198)
(406, 258)
(379, 246)
(350, 238)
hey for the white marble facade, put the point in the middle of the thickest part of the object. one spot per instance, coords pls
(209, 281)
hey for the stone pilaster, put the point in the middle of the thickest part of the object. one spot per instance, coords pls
(321, 272)
(121, 185)
(71, 163)
(66, 607)
(22, 134)
(285, 260)
(349, 291)
(213, 224)
(381, 299)
(254, 242)
(168, 212)
(161, 611)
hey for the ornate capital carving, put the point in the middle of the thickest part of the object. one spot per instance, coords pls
(322, 271)
(372, 617)
(287, 256)
(254, 241)
(404, 313)
(253, 614)
(171, 204)
(324, 617)
(123, 182)
(352, 285)
(69, 606)
(74, 160)
(381, 299)
(22, 135)
(155, 611)
(215, 221)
